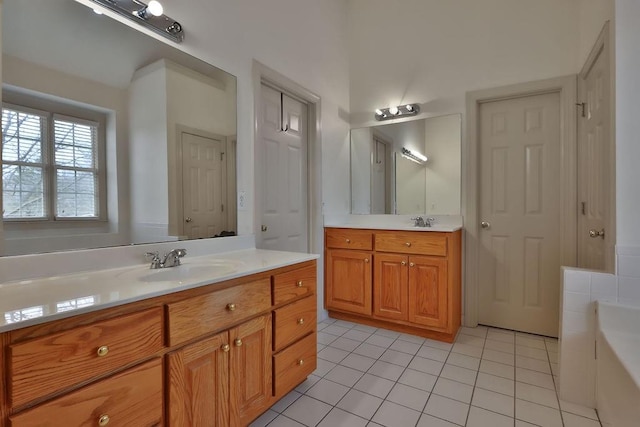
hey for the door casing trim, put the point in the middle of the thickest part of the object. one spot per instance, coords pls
(567, 88)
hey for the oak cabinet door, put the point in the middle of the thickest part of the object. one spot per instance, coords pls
(390, 288)
(428, 291)
(349, 281)
(198, 383)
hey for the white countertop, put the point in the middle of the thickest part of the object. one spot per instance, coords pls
(34, 301)
(441, 223)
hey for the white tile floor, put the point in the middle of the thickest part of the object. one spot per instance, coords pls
(376, 377)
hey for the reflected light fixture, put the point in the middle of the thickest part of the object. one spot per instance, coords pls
(406, 110)
(414, 156)
(149, 15)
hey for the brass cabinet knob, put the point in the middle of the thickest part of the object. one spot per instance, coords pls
(238, 342)
(300, 362)
(301, 321)
(103, 420)
(403, 263)
(103, 351)
(411, 264)
(366, 260)
(408, 244)
(299, 284)
(348, 240)
(231, 306)
(225, 348)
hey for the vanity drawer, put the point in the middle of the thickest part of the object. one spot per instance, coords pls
(412, 242)
(348, 238)
(293, 284)
(132, 398)
(193, 317)
(292, 365)
(54, 362)
(294, 321)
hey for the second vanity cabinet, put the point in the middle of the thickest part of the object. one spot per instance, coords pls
(403, 280)
(217, 355)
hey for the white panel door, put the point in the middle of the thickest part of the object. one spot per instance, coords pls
(203, 186)
(519, 196)
(594, 172)
(283, 171)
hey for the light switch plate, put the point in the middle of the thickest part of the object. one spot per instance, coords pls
(242, 200)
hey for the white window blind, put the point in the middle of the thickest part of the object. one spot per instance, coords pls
(23, 164)
(49, 166)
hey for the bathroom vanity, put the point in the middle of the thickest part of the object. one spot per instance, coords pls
(406, 279)
(183, 349)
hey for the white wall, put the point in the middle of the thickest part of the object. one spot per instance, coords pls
(432, 51)
(442, 146)
(361, 170)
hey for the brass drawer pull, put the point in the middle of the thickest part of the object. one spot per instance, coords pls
(366, 260)
(225, 348)
(103, 420)
(299, 284)
(103, 351)
(301, 321)
(403, 263)
(238, 342)
(348, 240)
(408, 244)
(231, 306)
(300, 362)
(411, 264)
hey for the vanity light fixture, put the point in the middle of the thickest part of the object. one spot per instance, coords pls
(406, 110)
(149, 15)
(414, 156)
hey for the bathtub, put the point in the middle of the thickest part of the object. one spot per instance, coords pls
(618, 365)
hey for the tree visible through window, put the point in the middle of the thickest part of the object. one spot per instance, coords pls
(49, 165)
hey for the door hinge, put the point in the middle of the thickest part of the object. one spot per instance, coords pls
(584, 208)
(221, 156)
(222, 207)
(582, 105)
(595, 350)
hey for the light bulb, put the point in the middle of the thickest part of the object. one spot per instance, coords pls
(97, 11)
(155, 8)
(379, 112)
(409, 107)
(394, 110)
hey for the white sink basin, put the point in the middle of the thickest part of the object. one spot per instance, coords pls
(184, 272)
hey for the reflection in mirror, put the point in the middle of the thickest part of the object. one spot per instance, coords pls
(384, 181)
(110, 137)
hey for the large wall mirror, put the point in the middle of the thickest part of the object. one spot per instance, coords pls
(388, 175)
(110, 137)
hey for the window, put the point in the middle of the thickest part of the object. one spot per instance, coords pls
(49, 166)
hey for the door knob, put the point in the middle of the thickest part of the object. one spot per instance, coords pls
(485, 225)
(263, 228)
(595, 233)
(188, 219)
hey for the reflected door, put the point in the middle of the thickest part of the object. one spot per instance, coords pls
(282, 159)
(519, 259)
(203, 186)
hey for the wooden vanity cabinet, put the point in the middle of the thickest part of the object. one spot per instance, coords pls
(414, 287)
(202, 357)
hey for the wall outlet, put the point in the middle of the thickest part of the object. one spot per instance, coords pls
(242, 200)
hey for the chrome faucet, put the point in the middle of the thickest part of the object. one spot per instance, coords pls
(421, 222)
(171, 259)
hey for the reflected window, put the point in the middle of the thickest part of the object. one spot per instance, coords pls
(24, 314)
(50, 166)
(74, 304)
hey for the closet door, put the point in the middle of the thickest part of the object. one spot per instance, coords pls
(281, 159)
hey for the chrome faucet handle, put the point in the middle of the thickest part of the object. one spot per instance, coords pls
(430, 221)
(419, 221)
(154, 257)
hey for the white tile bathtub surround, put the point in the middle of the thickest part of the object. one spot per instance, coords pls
(580, 288)
(393, 222)
(68, 262)
(363, 391)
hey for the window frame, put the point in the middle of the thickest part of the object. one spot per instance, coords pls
(53, 110)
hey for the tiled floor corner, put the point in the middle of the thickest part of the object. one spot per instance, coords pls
(376, 377)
